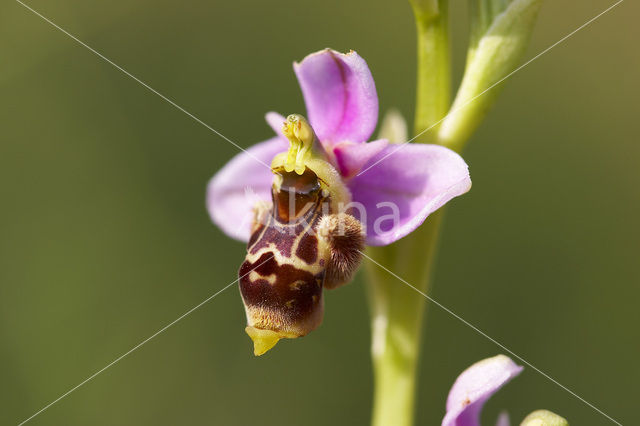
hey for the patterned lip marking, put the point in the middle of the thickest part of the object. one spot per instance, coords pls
(254, 276)
(296, 251)
(284, 292)
(308, 248)
(256, 234)
(274, 236)
(295, 303)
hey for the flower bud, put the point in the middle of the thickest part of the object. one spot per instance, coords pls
(544, 418)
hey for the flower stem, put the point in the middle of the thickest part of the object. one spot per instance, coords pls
(397, 317)
(434, 67)
(397, 311)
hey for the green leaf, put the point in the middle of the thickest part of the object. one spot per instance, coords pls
(499, 35)
(544, 418)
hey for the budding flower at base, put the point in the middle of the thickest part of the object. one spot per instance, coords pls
(473, 388)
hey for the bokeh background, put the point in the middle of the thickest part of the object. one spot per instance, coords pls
(104, 237)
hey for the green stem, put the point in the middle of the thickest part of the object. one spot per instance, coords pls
(397, 317)
(434, 69)
(397, 311)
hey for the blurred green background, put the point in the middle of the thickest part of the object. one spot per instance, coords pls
(105, 238)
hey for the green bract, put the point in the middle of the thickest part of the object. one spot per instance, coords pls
(500, 32)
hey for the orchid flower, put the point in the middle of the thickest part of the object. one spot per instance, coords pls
(373, 192)
(473, 388)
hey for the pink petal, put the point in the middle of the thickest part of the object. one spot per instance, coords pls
(475, 386)
(275, 121)
(407, 184)
(351, 157)
(340, 95)
(234, 190)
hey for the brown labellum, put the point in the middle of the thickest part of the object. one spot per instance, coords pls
(296, 249)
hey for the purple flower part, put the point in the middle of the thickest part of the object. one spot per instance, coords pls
(351, 157)
(340, 95)
(397, 193)
(406, 186)
(275, 121)
(234, 190)
(475, 386)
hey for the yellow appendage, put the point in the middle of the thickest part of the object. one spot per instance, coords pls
(301, 137)
(263, 340)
